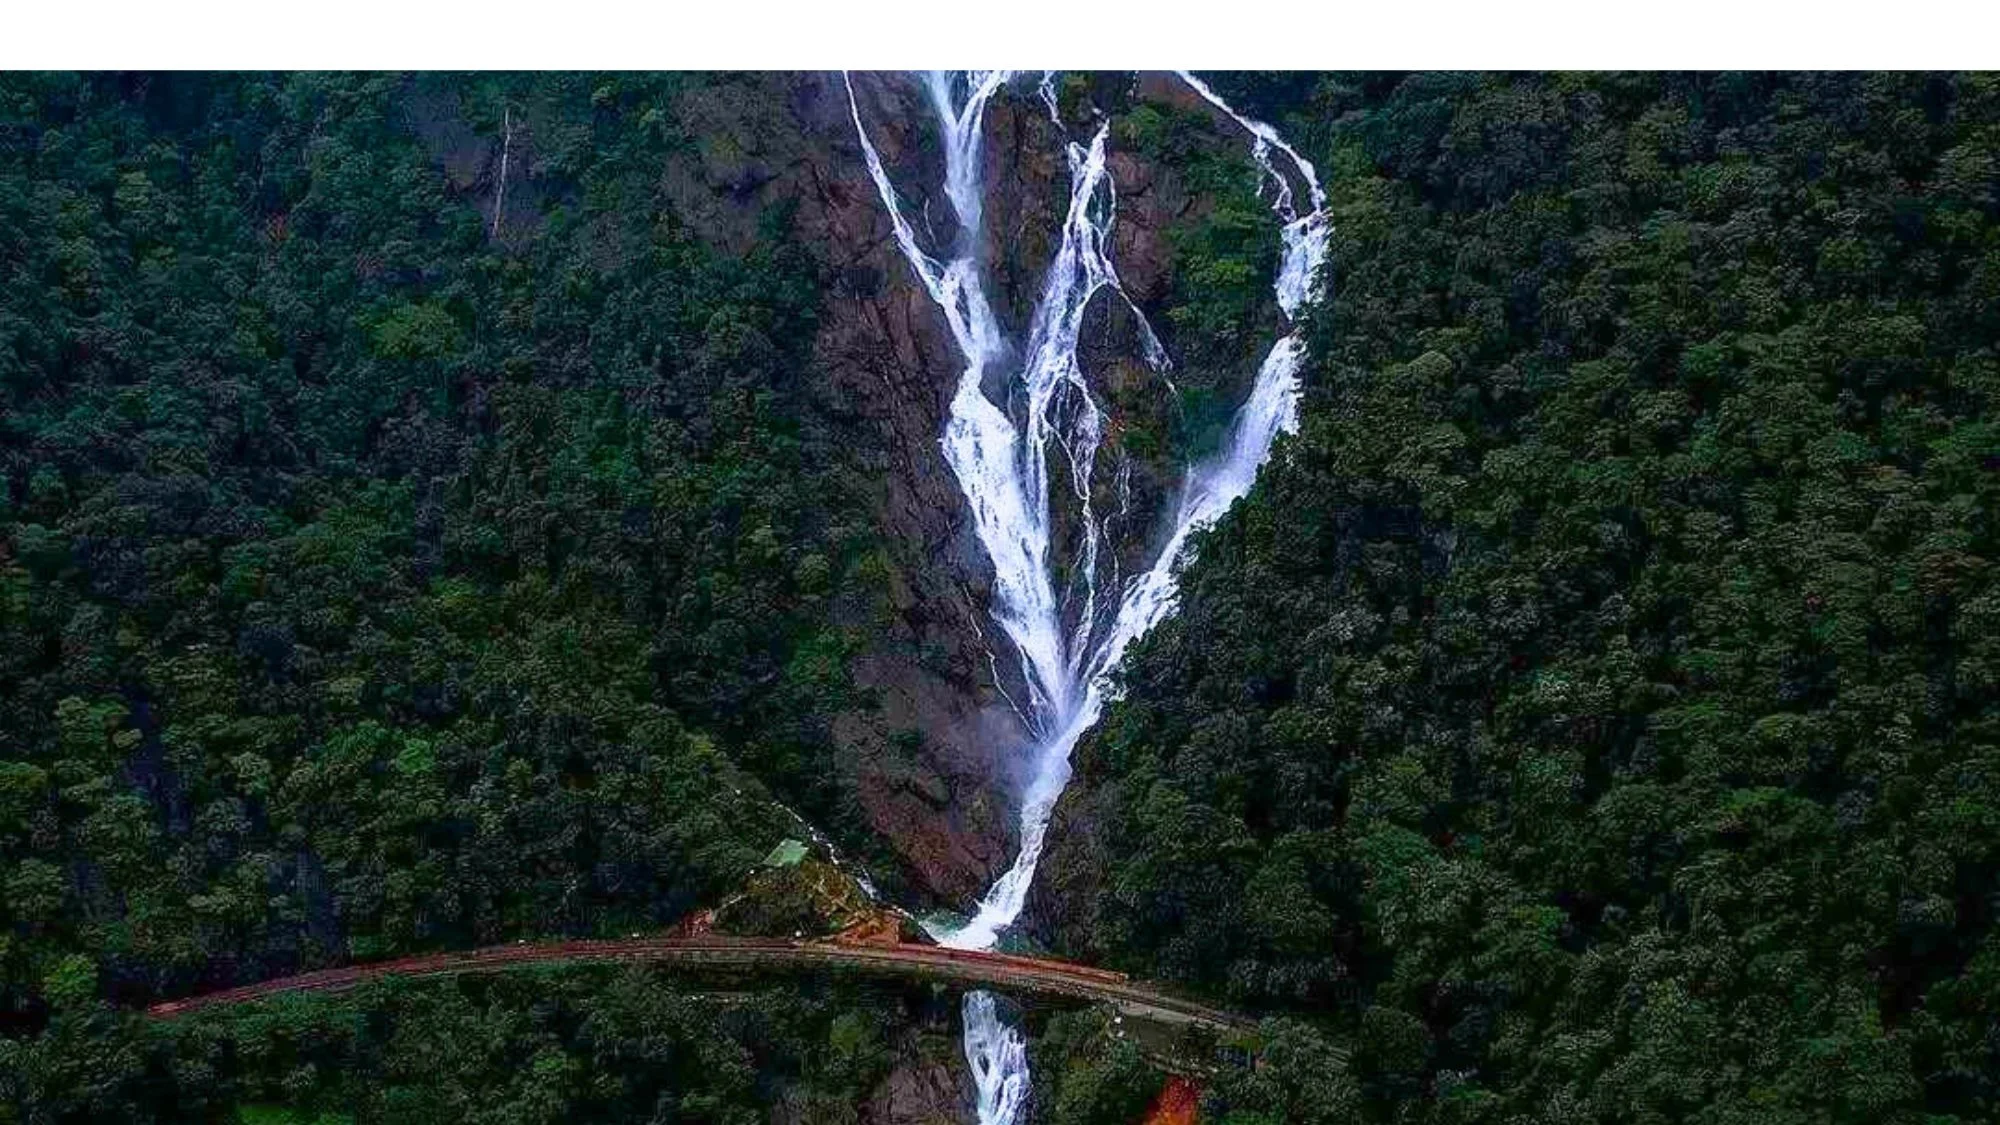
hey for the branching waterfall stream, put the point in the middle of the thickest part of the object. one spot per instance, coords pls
(1001, 461)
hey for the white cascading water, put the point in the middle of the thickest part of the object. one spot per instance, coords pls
(1002, 468)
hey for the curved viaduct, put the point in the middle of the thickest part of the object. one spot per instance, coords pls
(1035, 975)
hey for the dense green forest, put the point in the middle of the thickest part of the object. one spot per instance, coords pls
(551, 1045)
(1594, 715)
(374, 577)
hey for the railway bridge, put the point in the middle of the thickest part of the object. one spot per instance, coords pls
(1000, 971)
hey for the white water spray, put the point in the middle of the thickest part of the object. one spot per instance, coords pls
(1002, 469)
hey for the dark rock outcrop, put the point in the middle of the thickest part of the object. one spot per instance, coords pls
(1062, 904)
(921, 1089)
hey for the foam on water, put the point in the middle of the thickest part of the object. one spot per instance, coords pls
(1002, 469)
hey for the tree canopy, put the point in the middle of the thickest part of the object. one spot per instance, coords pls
(1592, 715)
(376, 576)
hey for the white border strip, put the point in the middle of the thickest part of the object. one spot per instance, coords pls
(1053, 34)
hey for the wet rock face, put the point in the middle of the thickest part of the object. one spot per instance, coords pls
(1062, 906)
(935, 763)
(926, 763)
(921, 1091)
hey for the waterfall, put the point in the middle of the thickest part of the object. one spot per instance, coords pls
(1002, 469)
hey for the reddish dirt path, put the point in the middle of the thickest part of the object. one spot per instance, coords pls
(996, 970)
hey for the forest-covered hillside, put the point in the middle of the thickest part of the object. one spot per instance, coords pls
(1594, 715)
(376, 576)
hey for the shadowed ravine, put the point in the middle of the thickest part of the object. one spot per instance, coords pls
(1069, 633)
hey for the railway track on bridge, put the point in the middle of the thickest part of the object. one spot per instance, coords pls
(1000, 971)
